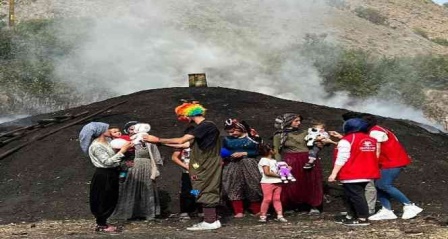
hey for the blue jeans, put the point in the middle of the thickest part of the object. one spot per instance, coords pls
(386, 189)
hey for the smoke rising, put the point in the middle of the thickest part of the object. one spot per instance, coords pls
(255, 45)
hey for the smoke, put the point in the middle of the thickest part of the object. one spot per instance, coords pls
(255, 45)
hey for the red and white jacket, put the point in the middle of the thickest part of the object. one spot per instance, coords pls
(363, 162)
(393, 154)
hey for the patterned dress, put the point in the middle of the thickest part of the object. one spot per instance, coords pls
(241, 178)
(138, 196)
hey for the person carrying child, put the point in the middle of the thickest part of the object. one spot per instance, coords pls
(118, 139)
(315, 135)
(271, 184)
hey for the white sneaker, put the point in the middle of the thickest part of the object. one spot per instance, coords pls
(411, 211)
(383, 214)
(205, 226)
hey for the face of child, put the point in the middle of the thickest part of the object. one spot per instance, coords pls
(235, 133)
(320, 127)
(115, 133)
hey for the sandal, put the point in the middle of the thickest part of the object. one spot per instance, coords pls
(108, 228)
(239, 215)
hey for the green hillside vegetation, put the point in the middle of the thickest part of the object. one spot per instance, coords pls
(28, 53)
(27, 72)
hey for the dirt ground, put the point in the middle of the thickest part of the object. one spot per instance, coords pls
(299, 226)
(44, 186)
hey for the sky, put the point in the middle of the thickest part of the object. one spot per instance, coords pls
(440, 1)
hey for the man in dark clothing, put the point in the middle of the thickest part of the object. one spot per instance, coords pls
(205, 162)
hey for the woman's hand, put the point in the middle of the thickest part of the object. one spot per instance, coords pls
(186, 166)
(238, 154)
(126, 146)
(335, 134)
(332, 178)
(327, 141)
(151, 139)
(129, 163)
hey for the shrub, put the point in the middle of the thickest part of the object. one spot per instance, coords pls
(364, 75)
(371, 15)
(440, 41)
(27, 70)
(421, 32)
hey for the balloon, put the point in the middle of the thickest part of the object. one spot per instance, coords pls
(225, 153)
(117, 143)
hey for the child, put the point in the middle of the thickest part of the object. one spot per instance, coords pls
(181, 157)
(315, 134)
(271, 184)
(126, 163)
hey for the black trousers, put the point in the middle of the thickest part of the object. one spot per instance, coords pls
(187, 200)
(355, 199)
(103, 194)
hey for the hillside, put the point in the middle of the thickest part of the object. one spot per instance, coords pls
(49, 178)
(397, 37)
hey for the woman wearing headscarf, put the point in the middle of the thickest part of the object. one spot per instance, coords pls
(104, 184)
(356, 164)
(290, 146)
(241, 177)
(139, 199)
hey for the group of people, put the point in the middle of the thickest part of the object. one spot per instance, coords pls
(124, 183)
(244, 169)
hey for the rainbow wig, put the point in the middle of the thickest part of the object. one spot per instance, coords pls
(190, 110)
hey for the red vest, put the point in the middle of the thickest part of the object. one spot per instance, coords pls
(362, 163)
(392, 153)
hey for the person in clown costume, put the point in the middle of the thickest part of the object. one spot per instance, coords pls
(205, 165)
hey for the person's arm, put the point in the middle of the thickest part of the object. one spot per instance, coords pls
(100, 154)
(335, 134)
(334, 173)
(176, 157)
(328, 141)
(276, 145)
(181, 140)
(179, 146)
(380, 137)
(342, 157)
(267, 171)
(378, 149)
(250, 153)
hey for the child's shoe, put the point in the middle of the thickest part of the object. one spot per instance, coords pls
(122, 177)
(281, 219)
(239, 215)
(262, 219)
(308, 166)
